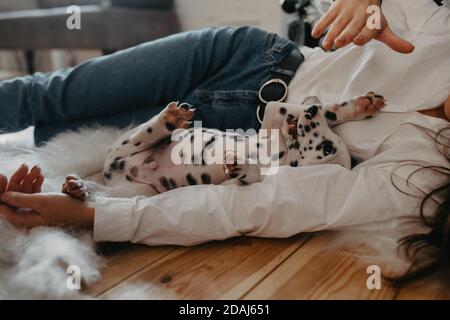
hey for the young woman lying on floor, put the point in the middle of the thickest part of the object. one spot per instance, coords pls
(389, 147)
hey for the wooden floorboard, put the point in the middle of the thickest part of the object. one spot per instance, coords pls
(302, 267)
(121, 261)
(424, 290)
(317, 271)
(220, 270)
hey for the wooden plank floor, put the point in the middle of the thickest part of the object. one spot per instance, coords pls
(302, 267)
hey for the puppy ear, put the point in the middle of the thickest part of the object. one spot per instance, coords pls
(311, 100)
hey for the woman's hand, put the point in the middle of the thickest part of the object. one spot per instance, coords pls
(45, 209)
(22, 204)
(23, 180)
(347, 22)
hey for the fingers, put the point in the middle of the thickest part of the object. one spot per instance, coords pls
(365, 36)
(37, 185)
(324, 23)
(11, 216)
(22, 218)
(3, 183)
(16, 179)
(350, 32)
(24, 181)
(395, 42)
(28, 182)
(335, 30)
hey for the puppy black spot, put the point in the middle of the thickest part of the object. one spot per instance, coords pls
(134, 171)
(114, 166)
(328, 147)
(242, 180)
(319, 157)
(316, 134)
(190, 179)
(172, 183)
(149, 159)
(283, 111)
(313, 125)
(278, 156)
(149, 130)
(294, 163)
(170, 126)
(307, 128)
(107, 175)
(331, 116)
(312, 110)
(289, 118)
(206, 178)
(165, 183)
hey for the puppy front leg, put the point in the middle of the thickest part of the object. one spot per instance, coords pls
(173, 117)
(359, 108)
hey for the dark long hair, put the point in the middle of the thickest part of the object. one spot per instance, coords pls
(429, 252)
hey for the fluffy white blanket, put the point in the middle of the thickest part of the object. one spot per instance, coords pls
(33, 264)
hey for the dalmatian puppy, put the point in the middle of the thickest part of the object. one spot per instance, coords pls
(166, 152)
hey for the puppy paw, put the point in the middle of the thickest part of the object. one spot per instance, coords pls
(359, 108)
(234, 165)
(177, 116)
(75, 187)
(368, 105)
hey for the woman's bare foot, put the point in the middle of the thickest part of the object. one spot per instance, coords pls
(75, 187)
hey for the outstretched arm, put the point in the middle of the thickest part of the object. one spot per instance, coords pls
(295, 200)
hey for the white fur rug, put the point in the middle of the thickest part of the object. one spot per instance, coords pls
(33, 264)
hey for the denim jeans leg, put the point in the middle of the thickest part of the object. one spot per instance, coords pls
(226, 59)
(148, 75)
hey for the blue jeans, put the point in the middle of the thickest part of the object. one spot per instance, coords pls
(218, 70)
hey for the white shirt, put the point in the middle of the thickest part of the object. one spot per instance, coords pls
(417, 81)
(311, 198)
